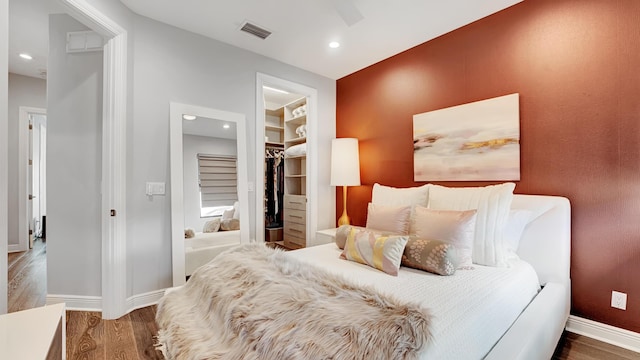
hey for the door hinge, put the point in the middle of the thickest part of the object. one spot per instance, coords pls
(113, 212)
(31, 197)
(30, 126)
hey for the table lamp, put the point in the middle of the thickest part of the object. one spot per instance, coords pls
(345, 169)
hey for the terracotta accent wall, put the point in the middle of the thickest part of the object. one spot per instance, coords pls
(576, 65)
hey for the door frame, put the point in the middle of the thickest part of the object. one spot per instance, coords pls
(23, 175)
(114, 160)
(312, 150)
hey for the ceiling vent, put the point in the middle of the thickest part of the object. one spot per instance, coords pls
(255, 30)
(84, 41)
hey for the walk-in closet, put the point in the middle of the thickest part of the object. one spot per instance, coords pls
(285, 164)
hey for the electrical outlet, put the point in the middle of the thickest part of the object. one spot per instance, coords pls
(619, 300)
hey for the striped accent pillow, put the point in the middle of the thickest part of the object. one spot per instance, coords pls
(380, 252)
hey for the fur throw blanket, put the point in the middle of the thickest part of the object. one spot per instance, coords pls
(253, 302)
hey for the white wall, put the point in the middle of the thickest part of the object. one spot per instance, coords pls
(175, 65)
(192, 146)
(74, 150)
(23, 91)
(4, 70)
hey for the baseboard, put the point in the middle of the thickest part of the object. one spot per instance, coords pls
(94, 303)
(610, 334)
(14, 248)
(142, 300)
(77, 303)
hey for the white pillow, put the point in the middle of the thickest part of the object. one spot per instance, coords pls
(228, 214)
(394, 219)
(236, 210)
(517, 221)
(493, 204)
(390, 196)
(453, 227)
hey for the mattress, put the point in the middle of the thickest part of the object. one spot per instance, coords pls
(471, 309)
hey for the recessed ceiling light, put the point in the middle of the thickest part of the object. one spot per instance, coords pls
(334, 44)
(275, 90)
(188, 117)
(26, 56)
(226, 126)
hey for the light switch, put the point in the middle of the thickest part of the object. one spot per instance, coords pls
(155, 188)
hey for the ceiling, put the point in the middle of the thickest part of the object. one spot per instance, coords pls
(203, 126)
(368, 30)
(302, 30)
(29, 33)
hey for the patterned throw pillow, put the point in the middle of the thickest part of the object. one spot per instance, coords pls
(434, 256)
(380, 252)
(211, 226)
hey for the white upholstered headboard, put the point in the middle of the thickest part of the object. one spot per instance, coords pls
(546, 241)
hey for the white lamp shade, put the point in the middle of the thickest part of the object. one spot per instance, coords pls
(345, 162)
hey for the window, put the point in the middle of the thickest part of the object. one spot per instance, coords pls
(218, 183)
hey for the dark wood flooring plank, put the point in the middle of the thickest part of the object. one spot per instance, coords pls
(145, 329)
(577, 347)
(120, 339)
(87, 336)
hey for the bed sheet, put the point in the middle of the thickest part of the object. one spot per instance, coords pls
(471, 309)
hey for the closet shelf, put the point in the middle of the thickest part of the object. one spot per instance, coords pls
(274, 128)
(276, 144)
(297, 121)
(295, 176)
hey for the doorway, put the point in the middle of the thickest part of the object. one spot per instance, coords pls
(31, 175)
(303, 181)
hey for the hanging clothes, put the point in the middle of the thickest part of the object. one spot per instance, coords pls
(274, 187)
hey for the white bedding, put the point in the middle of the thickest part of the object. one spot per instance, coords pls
(203, 247)
(472, 308)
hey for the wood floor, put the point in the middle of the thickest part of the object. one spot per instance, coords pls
(132, 336)
(128, 338)
(27, 280)
(577, 347)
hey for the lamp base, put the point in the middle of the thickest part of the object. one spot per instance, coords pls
(344, 219)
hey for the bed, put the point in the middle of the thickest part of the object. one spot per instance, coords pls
(513, 312)
(203, 247)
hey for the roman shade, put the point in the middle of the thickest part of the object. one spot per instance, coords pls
(218, 180)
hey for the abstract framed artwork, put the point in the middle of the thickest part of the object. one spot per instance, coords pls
(479, 141)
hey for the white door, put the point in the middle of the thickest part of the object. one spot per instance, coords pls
(38, 157)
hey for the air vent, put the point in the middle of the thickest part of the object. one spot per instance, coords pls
(255, 30)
